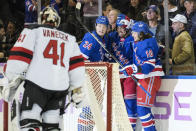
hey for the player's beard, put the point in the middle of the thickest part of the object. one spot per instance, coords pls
(122, 33)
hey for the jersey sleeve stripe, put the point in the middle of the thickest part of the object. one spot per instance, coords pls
(22, 50)
(76, 57)
(21, 58)
(21, 54)
(76, 61)
(76, 66)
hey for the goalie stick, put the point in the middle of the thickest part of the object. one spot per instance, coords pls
(77, 12)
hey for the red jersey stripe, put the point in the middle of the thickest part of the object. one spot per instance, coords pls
(20, 58)
(76, 57)
(22, 50)
(76, 65)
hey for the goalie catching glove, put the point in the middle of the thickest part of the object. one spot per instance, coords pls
(129, 70)
(77, 96)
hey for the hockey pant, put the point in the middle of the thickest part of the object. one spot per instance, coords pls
(85, 120)
(141, 106)
(41, 107)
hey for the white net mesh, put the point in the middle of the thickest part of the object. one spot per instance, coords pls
(103, 113)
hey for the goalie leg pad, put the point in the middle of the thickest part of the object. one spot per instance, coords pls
(34, 113)
(51, 116)
(30, 125)
(51, 127)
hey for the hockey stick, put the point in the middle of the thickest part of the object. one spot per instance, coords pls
(103, 46)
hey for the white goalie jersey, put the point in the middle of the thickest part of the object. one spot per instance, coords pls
(51, 58)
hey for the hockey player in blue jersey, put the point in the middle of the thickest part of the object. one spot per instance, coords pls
(90, 48)
(93, 52)
(122, 50)
(149, 70)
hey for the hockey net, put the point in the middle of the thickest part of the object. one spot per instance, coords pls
(105, 109)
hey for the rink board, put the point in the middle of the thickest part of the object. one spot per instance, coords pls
(175, 107)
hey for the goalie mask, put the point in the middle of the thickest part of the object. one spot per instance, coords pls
(50, 16)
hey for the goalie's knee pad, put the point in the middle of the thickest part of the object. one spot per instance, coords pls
(31, 129)
(30, 125)
(51, 116)
(51, 127)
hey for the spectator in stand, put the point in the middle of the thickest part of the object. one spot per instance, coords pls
(90, 12)
(192, 31)
(2, 34)
(112, 17)
(183, 58)
(31, 9)
(1, 22)
(153, 16)
(11, 32)
(172, 10)
(189, 12)
(2, 41)
(56, 4)
(180, 4)
(106, 9)
(136, 10)
(30, 12)
(121, 5)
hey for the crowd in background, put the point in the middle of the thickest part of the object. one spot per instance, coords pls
(17, 14)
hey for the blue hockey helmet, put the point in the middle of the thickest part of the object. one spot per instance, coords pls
(141, 27)
(124, 21)
(102, 20)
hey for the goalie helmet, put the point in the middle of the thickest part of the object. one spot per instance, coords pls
(102, 20)
(124, 21)
(50, 15)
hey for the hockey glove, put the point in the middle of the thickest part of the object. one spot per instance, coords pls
(108, 56)
(129, 70)
(77, 96)
(10, 88)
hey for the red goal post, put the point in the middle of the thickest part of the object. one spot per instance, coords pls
(105, 100)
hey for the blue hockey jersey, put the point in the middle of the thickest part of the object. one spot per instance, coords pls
(91, 49)
(30, 13)
(122, 48)
(145, 55)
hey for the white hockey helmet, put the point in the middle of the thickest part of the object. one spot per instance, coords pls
(50, 15)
